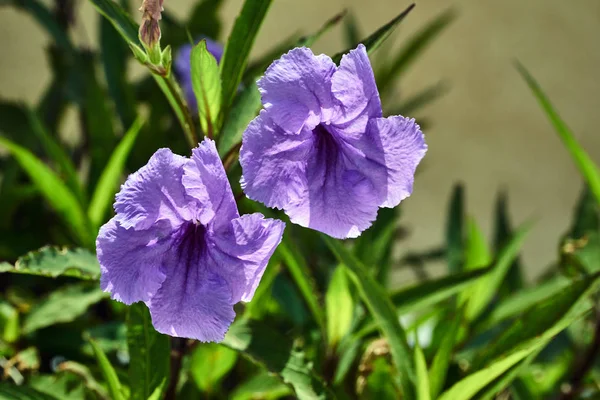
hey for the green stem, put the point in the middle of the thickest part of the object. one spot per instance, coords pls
(173, 94)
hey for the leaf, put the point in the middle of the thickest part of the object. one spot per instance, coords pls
(422, 376)
(58, 154)
(239, 44)
(111, 176)
(245, 107)
(378, 383)
(455, 230)
(443, 355)
(54, 261)
(584, 163)
(53, 189)
(62, 305)
(119, 18)
(414, 47)
(485, 290)
(149, 352)
(211, 363)
(9, 322)
(477, 255)
(206, 83)
(263, 386)
(503, 233)
(13, 392)
(383, 311)
(108, 372)
(586, 218)
(351, 30)
(277, 354)
(297, 267)
(308, 41)
(339, 306)
(421, 99)
(378, 37)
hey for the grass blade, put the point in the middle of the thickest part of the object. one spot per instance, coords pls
(108, 372)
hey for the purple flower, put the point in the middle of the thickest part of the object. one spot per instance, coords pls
(321, 150)
(178, 244)
(183, 69)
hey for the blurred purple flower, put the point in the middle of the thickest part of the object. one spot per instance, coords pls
(320, 149)
(183, 69)
(178, 244)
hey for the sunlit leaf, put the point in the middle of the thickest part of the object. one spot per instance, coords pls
(422, 376)
(109, 373)
(443, 355)
(210, 363)
(263, 386)
(206, 82)
(339, 306)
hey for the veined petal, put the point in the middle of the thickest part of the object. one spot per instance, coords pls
(296, 89)
(274, 163)
(243, 251)
(205, 180)
(131, 261)
(153, 193)
(353, 85)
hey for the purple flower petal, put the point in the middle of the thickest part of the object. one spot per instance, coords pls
(296, 89)
(245, 250)
(153, 193)
(344, 161)
(130, 260)
(204, 179)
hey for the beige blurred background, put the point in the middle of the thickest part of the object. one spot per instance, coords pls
(487, 132)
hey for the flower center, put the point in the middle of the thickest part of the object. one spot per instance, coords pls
(191, 242)
(326, 146)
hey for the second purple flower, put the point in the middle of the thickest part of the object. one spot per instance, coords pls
(321, 150)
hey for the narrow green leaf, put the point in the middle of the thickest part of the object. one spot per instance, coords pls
(587, 216)
(502, 235)
(111, 176)
(351, 30)
(339, 306)
(455, 230)
(308, 41)
(239, 44)
(584, 163)
(149, 352)
(53, 261)
(58, 154)
(477, 255)
(277, 354)
(421, 99)
(383, 311)
(119, 18)
(423, 388)
(414, 47)
(210, 363)
(485, 290)
(10, 391)
(53, 189)
(297, 267)
(206, 82)
(245, 107)
(63, 305)
(9, 322)
(443, 355)
(375, 40)
(108, 372)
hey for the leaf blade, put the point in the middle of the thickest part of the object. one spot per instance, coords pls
(206, 82)
(108, 371)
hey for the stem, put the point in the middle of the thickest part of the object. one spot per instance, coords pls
(587, 363)
(173, 94)
(178, 347)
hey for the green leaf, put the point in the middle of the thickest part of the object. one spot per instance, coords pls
(485, 290)
(443, 355)
(383, 311)
(308, 41)
(587, 217)
(9, 322)
(584, 163)
(58, 154)
(263, 386)
(245, 107)
(53, 261)
(351, 30)
(297, 267)
(477, 255)
(119, 18)
(239, 44)
(277, 354)
(210, 363)
(108, 372)
(414, 47)
(206, 82)
(262, 297)
(13, 392)
(503, 233)
(422, 376)
(149, 352)
(111, 176)
(378, 37)
(421, 99)
(455, 230)
(63, 305)
(339, 306)
(378, 383)
(63, 201)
